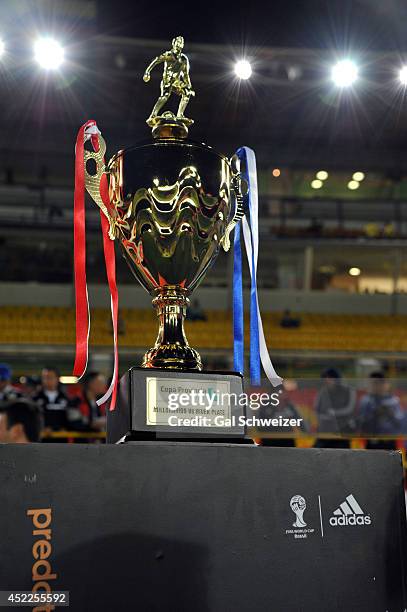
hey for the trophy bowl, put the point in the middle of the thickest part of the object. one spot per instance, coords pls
(171, 203)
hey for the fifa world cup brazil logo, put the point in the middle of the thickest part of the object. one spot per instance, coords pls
(298, 506)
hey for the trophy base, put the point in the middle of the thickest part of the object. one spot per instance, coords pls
(166, 404)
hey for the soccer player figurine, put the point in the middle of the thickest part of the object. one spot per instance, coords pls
(175, 79)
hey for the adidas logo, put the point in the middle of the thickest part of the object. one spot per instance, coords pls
(349, 513)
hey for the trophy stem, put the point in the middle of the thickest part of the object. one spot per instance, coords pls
(171, 349)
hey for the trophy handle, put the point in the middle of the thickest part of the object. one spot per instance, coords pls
(237, 188)
(92, 181)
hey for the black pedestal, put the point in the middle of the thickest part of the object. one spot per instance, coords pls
(143, 409)
(177, 527)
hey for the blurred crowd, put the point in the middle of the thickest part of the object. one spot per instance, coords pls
(42, 406)
(333, 412)
(340, 411)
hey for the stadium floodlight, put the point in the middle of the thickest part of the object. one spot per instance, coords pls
(344, 73)
(316, 184)
(322, 175)
(243, 69)
(354, 271)
(49, 53)
(358, 176)
(403, 75)
(2, 47)
(352, 185)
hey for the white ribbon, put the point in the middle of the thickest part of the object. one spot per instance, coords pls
(90, 131)
(109, 392)
(251, 237)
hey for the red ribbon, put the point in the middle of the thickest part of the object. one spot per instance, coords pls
(110, 263)
(81, 290)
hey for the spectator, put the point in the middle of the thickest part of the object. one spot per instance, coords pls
(315, 227)
(335, 409)
(380, 413)
(54, 212)
(19, 422)
(195, 312)
(52, 400)
(287, 410)
(7, 391)
(288, 321)
(93, 388)
(32, 385)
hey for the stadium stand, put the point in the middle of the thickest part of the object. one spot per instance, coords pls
(324, 332)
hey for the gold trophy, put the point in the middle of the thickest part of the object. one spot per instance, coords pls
(175, 203)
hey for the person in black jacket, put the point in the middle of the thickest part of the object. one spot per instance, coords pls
(52, 400)
(7, 391)
(84, 413)
(335, 409)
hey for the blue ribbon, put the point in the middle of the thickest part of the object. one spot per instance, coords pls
(238, 316)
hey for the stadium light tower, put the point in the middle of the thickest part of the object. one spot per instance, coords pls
(344, 73)
(243, 69)
(49, 53)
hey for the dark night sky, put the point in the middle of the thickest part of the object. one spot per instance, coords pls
(340, 24)
(373, 117)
